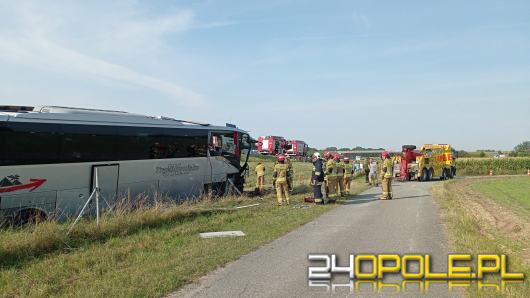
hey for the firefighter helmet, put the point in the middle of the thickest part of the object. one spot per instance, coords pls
(316, 155)
(327, 154)
(385, 154)
(281, 157)
(346, 159)
(336, 156)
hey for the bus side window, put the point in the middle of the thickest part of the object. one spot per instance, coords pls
(82, 143)
(29, 143)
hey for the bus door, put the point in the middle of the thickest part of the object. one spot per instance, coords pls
(107, 179)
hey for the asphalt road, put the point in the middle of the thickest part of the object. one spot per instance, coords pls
(408, 224)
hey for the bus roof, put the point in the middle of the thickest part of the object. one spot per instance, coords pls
(70, 115)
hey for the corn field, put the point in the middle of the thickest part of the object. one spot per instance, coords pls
(499, 166)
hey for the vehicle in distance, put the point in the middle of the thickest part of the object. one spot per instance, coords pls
(271, 145)
(433, 160)
(296, 148)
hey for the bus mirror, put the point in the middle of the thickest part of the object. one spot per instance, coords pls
(245, 141)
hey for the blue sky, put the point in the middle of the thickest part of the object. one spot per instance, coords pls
(333, 73)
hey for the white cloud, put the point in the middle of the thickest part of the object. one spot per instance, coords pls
(43, 38)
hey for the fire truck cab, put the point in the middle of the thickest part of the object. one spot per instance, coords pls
(271, 145)
(296, 148)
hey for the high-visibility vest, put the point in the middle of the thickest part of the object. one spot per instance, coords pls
(348, 170)
(339, 166)
(281, 172)
(330, 168)
(389, 165)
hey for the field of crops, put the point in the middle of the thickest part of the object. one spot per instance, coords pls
(499, 166)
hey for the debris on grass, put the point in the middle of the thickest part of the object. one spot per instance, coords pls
(247, 206)
(222, 234)
(302, 206)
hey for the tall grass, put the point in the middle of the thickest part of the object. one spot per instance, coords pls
(20, 244)
(499, 166)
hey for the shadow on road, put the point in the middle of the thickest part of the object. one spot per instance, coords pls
(359, 199)
(410, 197)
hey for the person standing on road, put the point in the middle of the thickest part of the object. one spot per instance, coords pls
(281, 176)
(339, 166)
(366, 169)
(386, 176)
(331, 176)
(373, 173)
(317, 177)
(260, 176)
(348, 174)
(327, 157)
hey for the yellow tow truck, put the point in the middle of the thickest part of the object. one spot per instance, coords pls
(434, 160)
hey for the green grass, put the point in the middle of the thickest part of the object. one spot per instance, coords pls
(476, 224)
(512, 192)
(147, 252)
(150, 261)
(301, 173)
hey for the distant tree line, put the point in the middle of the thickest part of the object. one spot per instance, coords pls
(522, 149)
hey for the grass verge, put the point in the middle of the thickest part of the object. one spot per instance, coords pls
(146, 253)
(479, 220)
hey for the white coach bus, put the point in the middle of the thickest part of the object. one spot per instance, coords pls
(49, 156)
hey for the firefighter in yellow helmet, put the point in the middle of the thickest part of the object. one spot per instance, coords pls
(339, 171)
(348, 175)
(280, 175)
(387, 170)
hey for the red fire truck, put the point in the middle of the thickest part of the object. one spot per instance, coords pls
(271, 145)
(296, 148)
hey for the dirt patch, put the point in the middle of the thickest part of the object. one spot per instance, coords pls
(501, 219)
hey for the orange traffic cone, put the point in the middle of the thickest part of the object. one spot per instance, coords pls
(491, 172)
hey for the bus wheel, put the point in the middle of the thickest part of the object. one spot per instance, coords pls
(29, 216)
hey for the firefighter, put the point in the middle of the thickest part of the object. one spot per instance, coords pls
(339, 172)
(386, 176)
(331, 175)
(327, 156)
(317, 177)
(348, 175)
(290, 172)
(281, 177)
(260, 176)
